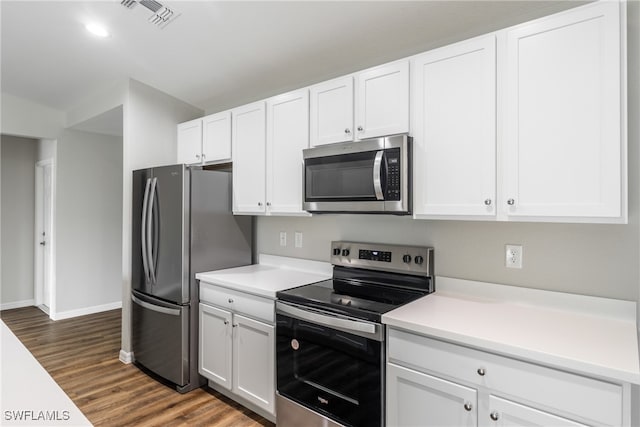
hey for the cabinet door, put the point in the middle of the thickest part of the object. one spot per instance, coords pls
(331, 110)
(417, 399)
(216, 137)
(253, 362)
(287, 136)
(190, 142)
(504, 413)
(454, 128)
(248, 138)
(565, 153)
(215, 345)
(382, 101)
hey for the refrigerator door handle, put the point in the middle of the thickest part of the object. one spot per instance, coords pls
(157, 308)
(143, 234)
(149, 232)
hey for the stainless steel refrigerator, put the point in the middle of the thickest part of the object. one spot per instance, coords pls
(182, 225)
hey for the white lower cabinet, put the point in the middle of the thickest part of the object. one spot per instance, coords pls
(237, 353)
(436, 383)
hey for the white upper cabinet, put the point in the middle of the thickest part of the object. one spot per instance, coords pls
(287, 136)
(331, 111)
(205, 140)
(190, 142)
(248, 136)
(216, 137)
(382, 100)
(454, 127)
(565, 153)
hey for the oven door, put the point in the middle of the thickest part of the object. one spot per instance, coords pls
(331, 364)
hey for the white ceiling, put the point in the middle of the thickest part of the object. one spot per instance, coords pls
(220, 54)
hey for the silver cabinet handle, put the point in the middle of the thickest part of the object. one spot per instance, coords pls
(226, 322)
(268, 203)
(487, 202)
(360, 128)
(377, 175)
(468, 406)
(230, 300)
(494, 416)
(203, 156)
(235, 325)
(481, 372)
(511, 202)
(197, 156)
(347, 131)
(43, 243)
(259, 203)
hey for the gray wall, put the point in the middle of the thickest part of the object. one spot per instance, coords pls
(18, 156)
(88, 220)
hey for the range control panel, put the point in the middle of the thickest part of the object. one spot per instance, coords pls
(416, 260)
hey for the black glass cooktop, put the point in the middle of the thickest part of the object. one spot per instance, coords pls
(352, 298)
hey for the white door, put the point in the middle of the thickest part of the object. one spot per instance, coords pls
(454, 128)
(382, 101)
(287, 136)
(254, 362)
(190, 142)
(503, 413)
(331, 112)
(248, 141)
(417, 399)
(216, 137)
(44, 235)
(565, 154)
(215, 345)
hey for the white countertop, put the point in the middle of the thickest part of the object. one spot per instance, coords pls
(594, 336)
(270, 275)
(29, 396)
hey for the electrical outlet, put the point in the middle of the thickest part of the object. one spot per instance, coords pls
(513, 256)
(298, 239)
(283, 238)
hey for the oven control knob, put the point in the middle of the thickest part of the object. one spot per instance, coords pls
(345, 252)
(336, 251)
(406, 259)
(418, 260)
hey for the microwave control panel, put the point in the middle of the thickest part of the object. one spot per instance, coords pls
(392, 161)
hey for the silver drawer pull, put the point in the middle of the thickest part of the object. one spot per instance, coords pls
(494, 416)
(481, 372)
(230, 300)
(468, 406)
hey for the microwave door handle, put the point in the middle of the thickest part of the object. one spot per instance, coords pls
(377, 175)
(143, 233)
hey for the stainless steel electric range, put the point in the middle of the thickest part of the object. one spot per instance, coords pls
(330, 351)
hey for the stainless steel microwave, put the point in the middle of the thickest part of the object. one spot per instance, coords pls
(368, 176)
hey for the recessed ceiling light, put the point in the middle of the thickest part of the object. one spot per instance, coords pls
(97, 29)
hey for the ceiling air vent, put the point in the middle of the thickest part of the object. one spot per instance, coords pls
(161, 16)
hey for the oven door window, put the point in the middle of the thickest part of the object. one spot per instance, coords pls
(339, 178)
(332, 372)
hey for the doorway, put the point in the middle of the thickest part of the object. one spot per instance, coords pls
(44, 282)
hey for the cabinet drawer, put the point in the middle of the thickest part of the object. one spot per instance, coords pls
(238, 302)
(570, 394)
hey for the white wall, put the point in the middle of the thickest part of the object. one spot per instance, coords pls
(25, 118)
(18, 157)
(150, 139)
(88, 221)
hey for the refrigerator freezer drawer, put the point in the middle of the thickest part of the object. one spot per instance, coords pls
(160, 337)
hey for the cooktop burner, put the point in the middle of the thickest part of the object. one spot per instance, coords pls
(368, 280)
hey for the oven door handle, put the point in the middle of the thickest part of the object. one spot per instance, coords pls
(356, 327)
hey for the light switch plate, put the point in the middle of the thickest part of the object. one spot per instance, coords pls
(283, 238)
(298, 239)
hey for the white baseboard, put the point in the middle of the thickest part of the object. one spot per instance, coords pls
(87, 310)
(126, 357)
(17, 304)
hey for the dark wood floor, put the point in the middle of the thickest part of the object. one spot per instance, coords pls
(81, 354)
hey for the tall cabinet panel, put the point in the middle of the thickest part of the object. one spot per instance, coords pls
(287, 136)
(454, 128)
(563, 116)
(248, 138)
(190, 142)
